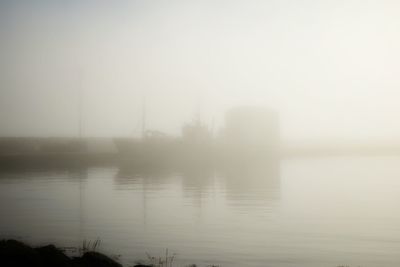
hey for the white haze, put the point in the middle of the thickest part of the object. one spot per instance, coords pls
(331, 68)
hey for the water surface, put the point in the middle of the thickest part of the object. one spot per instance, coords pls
(296, 212)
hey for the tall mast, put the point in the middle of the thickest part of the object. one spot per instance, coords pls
(144, 117)
(80, 104)
(199, 106)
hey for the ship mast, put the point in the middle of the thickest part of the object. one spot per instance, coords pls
(80, 103)
(80, 107)
(144, 117)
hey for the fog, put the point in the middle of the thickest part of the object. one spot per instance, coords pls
(231, 132)
(330, 68)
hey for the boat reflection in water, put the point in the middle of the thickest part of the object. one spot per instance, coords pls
(255, 182)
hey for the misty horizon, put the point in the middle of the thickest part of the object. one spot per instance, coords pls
(322, 66)
(229, 133)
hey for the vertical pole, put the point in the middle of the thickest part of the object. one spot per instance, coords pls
(144, 117)
(80, 104)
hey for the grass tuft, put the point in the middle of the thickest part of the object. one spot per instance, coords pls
(88, 246)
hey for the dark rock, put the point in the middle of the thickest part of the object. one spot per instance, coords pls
(51, 256)
(16, 254)
(95, 259)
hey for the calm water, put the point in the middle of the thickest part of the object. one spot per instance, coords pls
(297, 212)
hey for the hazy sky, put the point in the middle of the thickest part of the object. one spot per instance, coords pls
(331, 68)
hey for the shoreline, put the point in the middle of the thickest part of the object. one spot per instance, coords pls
(14, 253)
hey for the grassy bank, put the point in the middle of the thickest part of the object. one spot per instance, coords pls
(14, 253)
